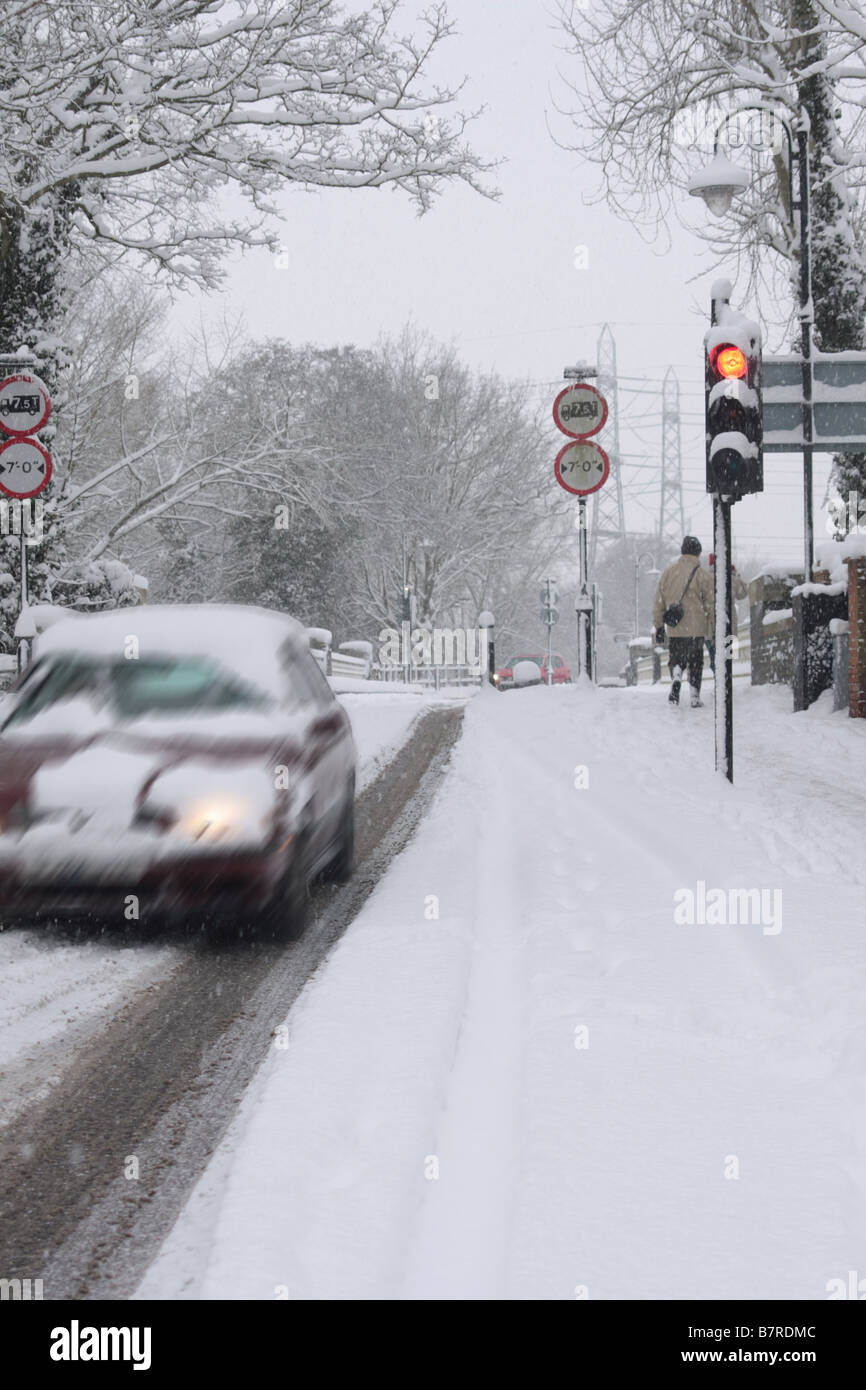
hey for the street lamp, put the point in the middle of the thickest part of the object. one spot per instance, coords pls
(638, 560)
(718, 185)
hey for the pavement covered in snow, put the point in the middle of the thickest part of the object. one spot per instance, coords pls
(544, 1062)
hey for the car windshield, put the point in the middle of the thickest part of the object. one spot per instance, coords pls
(537, 659)
(135, 688)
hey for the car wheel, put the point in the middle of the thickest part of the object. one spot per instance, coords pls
(285, 917)
(342, 865)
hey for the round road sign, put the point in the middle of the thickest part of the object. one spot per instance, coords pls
(25, 467)
(24, 404)
(582, 467)
(580, 410)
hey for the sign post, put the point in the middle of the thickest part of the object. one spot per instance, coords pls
(583, 603)
(581, 468)
(25, 464)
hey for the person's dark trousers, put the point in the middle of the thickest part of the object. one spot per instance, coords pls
(688, 654)
(711, 651)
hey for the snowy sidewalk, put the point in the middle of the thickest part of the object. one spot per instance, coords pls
(554, 1088)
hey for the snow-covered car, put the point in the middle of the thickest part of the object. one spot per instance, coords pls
(174, 761)
(561, 675)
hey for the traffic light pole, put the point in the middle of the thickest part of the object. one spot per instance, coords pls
(724, 691)
(806, 318)
(723, 696)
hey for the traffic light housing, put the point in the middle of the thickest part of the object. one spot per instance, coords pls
(735, 464)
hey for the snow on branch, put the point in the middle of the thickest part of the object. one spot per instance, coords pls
(144, 114)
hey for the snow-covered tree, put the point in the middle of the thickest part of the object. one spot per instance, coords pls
(289, 560)
(383, 462)
(658, 77)
(123, 123)
(458, 480)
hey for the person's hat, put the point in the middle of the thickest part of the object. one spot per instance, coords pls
(691, 545)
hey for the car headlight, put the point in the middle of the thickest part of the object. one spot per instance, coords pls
(213, 808)
(222, 822)
(219, 821)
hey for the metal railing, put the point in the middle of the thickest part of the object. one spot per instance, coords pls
(431, 677)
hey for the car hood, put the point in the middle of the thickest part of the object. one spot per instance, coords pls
(111, 768)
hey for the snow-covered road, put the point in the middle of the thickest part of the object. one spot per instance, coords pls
(522, 1073)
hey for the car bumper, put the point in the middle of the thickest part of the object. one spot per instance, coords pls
(224, 885)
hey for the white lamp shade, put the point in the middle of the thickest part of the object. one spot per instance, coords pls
(719, 183)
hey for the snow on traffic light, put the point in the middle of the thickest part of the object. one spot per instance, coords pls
(733, 408)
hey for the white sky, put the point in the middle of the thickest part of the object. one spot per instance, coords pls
(499, 278)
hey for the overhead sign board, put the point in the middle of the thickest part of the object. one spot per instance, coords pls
(838, 402)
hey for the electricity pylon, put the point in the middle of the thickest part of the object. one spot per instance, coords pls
(672, 524)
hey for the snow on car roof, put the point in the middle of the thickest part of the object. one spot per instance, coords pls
(243, 639)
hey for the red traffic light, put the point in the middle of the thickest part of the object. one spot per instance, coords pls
(729, 361)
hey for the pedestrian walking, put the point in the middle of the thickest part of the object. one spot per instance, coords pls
(683, 608)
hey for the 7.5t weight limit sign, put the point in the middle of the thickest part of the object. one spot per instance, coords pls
(580, 410)
(24, 405)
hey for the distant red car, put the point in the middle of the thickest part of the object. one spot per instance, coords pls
(504, 677)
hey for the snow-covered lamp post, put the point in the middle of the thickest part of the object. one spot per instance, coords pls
(487, 621)
(718, 184)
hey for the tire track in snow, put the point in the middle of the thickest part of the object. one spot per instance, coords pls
(459, 1246)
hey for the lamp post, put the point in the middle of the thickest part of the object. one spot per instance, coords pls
(638, 560)
(487, 621)
(718, 185)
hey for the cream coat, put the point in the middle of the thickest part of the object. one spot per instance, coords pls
(699, 610)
